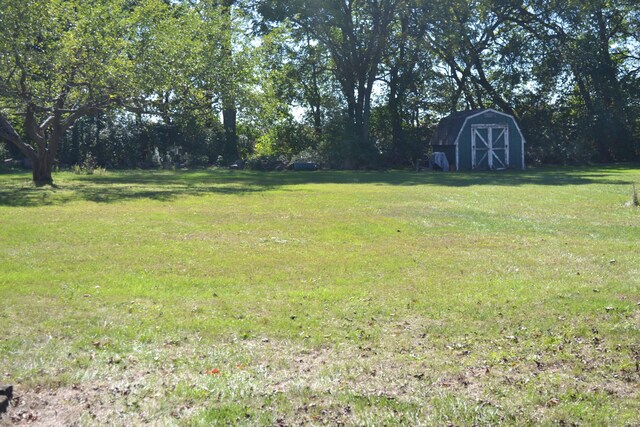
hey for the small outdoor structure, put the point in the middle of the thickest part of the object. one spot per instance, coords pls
(480, 140)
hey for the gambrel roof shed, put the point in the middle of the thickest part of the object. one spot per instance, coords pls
(480, 140)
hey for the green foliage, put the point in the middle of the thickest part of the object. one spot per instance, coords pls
(285, 138)
(309, 155)
(63, 60)
(265, 163)
(362, 83)
(64, 46)
(89, 166)
(120, 140)
(4, 152)
(355, 35)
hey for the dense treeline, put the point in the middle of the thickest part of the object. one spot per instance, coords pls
(347, 83)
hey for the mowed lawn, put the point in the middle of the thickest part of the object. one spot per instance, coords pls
(322, 298)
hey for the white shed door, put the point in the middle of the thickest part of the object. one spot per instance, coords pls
(490, 146)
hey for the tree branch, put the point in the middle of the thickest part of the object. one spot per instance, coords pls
(7, 132)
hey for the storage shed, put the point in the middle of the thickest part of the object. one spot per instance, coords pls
(480, 140)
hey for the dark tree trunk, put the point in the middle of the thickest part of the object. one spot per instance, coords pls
(363, 151)
(41, 159)
(396, 120)
(41, 166)
(400, 76)
(315, 102)
(74, 152)
(395, 112)
(317, 122)
(230, 152)
(619, 136)
(229, 110)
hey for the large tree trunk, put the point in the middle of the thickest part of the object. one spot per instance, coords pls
(41, 161)
(230, 152)
(620, 136)
(315, 103)
(42, 155)
(395, 113)
(41, 166)
(229, 110)
(316, 111)
(400, 76)
(361, 151)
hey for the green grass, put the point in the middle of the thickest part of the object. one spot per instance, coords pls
(360, 298)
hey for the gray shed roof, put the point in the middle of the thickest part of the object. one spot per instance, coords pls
(449, 127)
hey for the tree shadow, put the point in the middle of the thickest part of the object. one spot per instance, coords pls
(114, 191)
(119, 186)
(262, 181)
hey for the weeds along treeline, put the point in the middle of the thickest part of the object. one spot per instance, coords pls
(347, 84)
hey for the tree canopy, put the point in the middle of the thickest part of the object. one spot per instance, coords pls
(349, 83)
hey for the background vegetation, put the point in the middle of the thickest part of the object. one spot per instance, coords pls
(347, 83)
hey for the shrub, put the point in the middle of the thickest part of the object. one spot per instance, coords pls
(4, 152)
(266, 163)
(88, 167)
(309, 155)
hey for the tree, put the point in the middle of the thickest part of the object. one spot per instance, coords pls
(598, 43)
(355, 33)
(225, 65)
(62, 60)
(587, 52)
(408, 67)
(228, 96)
(469, 38)
(297, 77)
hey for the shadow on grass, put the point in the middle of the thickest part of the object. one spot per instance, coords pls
(118, 186)
(24, 194)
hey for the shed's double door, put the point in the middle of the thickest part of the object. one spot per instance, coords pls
(490, 146)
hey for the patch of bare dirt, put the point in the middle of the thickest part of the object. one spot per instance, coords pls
(126, 401)
(49, 407)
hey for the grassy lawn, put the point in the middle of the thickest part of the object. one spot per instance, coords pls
(355, 298)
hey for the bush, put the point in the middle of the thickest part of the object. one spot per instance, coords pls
(309, 155)
(88, 164)
(195, 160)
(266, 163)
(88, 167)
(4, 152)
